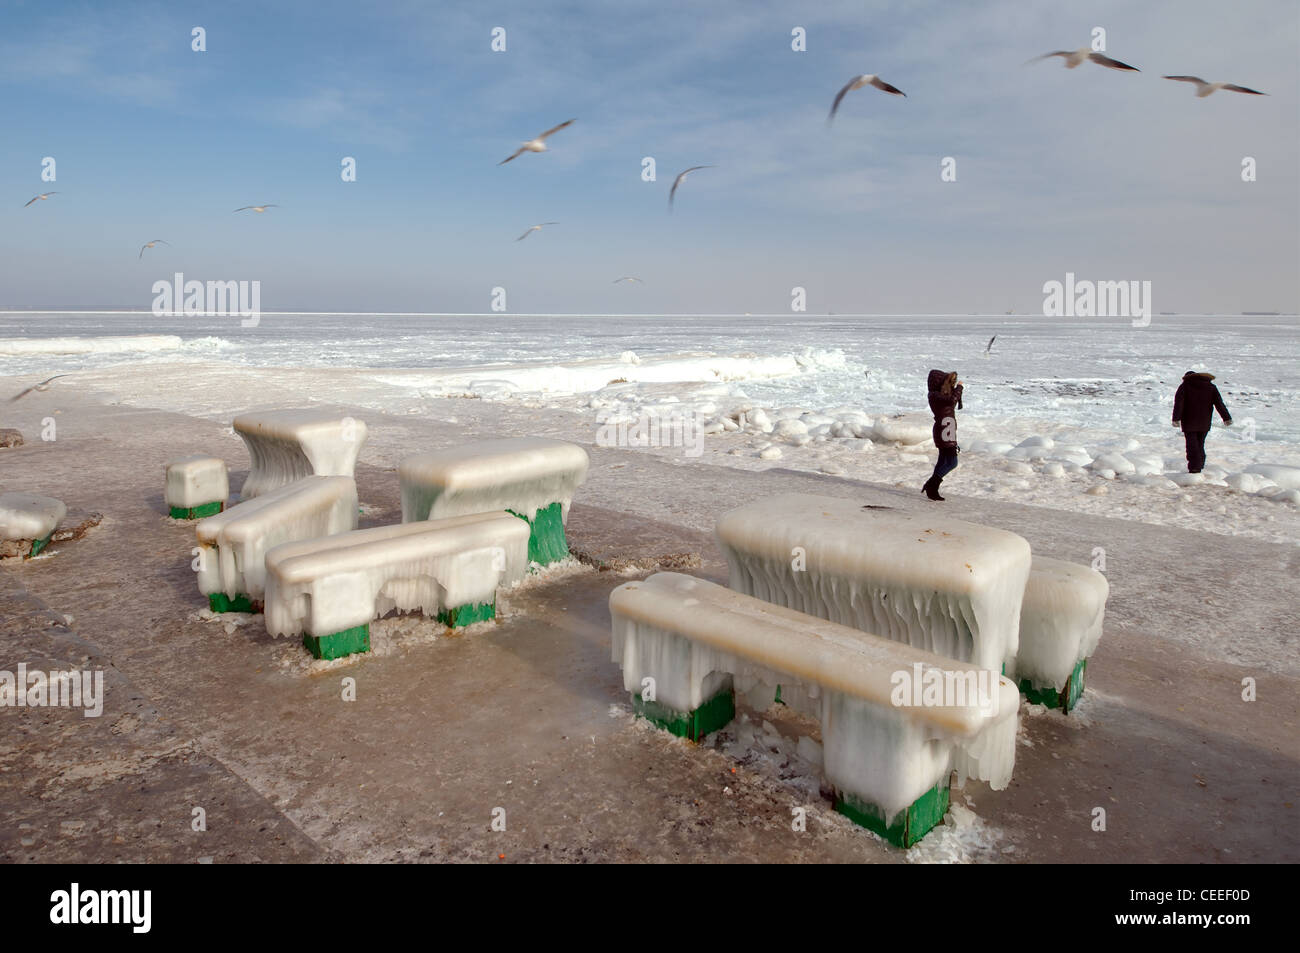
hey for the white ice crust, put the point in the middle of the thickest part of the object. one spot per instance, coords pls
(520, 474)
(28, 516)
(235, 542)
(1060, 620)
(323, 586)
(195, 480)
(692, 636)
(944, 585)
(287, 445)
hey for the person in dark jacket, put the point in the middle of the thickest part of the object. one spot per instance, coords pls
(945, 399)
(1194, 403)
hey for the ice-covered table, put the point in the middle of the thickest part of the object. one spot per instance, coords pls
(27, 517)
(532, 477)
(287, 445)
(1060, 625)
(329, 589)
(943, 585)
(233, 544)
(895, 720)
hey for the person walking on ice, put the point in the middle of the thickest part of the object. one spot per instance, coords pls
(945, 400)
(1194, 403)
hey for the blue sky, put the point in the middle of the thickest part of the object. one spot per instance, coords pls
(1110, 175)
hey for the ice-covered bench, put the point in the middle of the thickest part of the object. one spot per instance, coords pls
(1060, 625)
(27, 522)
(233, 544)
(532, 477)
(947, 586)
(888, 747)
(329, 589)
(197, 486)
(287, 445)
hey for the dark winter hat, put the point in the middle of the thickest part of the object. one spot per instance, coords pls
(1201, 374)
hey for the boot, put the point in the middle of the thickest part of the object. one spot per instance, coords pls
(932, 489)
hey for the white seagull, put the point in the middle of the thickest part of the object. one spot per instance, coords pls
(538, 144)
(42, 386)
(1204, 89)
(156, 241)
(678, 181)
(42, 197)
(857, 82)
(628, 278)
(1074, 58)
(533, 229)
(259, 209)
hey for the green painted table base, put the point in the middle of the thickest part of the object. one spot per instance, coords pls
(714, 714)
(546, 543)
(220, 602)
(197, 512)
(920, 817)
(1065, 698)
(338, 644)
(468, 615)
(39, 544)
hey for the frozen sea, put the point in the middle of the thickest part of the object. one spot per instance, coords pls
(1097, 374)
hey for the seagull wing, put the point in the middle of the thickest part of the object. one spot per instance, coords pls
(244, 209)
(990, 344)
(1243, 89)
(29, 203)
(1102, 60)
(881, 84)
(678, 180)
(1188, 79)
(526, 234)
(518, 152)
(142, 248)
(1047, 56)
(840, 96)
(567, 122)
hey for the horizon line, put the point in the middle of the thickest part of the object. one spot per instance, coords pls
(655, 314)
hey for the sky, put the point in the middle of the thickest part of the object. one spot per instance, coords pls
(1104, 174)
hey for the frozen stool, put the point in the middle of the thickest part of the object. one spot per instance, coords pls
(330, 589)
(531, 477)
(895, 720)
(1060, 626)
(939, 584)
(233, 544)
(197, 486)
(287, 445)
(27, 522)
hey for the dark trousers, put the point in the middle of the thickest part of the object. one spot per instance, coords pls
(947, 463)
(1195, 449)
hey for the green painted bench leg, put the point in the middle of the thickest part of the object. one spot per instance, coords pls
(920, 817)
(338, 644)
(546, 543)
(220, 602)
(714, 714)
(1065, 698)
(39, 544)
(468, 615)
(197, 512)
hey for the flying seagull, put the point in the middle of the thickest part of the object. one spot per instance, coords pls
(259, 209)
(42, 386)
(538, 144)
(1074, 57)
(1204, 89)
(533, 229)
(628, 278)
(42, 197)
(857, 82)
(989, 348)
(678, 181)
(156, 241)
